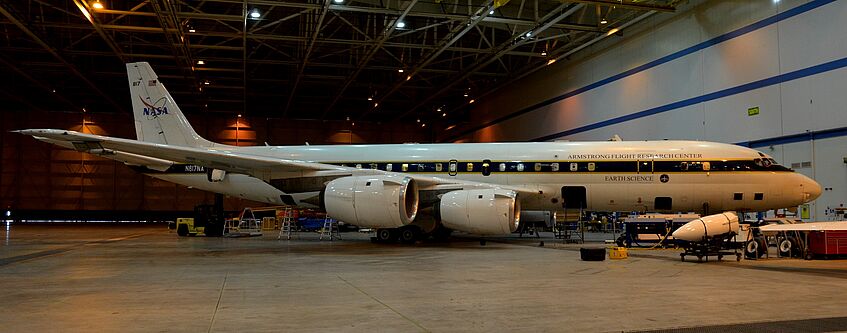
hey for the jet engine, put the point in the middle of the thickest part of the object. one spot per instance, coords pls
(708, 227)
(483, 212)
(383, 201)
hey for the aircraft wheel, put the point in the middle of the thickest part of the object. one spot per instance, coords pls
(386, 235)
(408, 235)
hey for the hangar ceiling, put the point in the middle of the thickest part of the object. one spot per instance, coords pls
(324, 59)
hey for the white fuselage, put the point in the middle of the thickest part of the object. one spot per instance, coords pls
(616, 176)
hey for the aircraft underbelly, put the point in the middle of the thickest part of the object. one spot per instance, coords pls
(236, 185)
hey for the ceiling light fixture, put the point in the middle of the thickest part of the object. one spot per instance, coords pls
(338, 1)
(370, 98)
(544, 53)
(201, 62)
(603, 21)
(97, 5)
(400, 70)
(401, 24)
(255, 14)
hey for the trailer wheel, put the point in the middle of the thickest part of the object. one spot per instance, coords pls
(809, 256)
(751, 249)
(182, 230)
(784, 247)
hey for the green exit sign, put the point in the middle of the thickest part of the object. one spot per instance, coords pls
(752, 111)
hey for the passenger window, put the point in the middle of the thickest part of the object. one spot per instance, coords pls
(574, 166)
(683, 166)
(388, 167)
(758, 196)
(737, 196)
(591, 166)
(452, 167)
(707, 166)
(438, 167)
(554, 167)
(374, 166)
(404, 167)
(470, 166)
(537, 167)
(358, 166)
(520, 167)
(502, 167)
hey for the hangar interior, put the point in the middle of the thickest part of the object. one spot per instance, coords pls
(764, 74)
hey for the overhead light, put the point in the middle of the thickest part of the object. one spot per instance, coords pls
(370, 98)
(450, 127)
(338, 1)
(612, 32)
(400, 70)
(438, 110)
(528, 34)
(376, 104)
(491, 12)
(201, 62)
(544, 53)
(471, 102)
(408, 77)
(191, 30)
(401, 24)
(419, 119)
(207, 82)
(239, 115)
(423, 125)
(83, 110)
(255, 14)
(444, 114)
(97, 5)
(54, 90)
(465, 94)
(551, 61)
(352, 124)
(603, 21)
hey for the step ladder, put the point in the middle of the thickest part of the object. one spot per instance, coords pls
(288, 226)
(330, 229)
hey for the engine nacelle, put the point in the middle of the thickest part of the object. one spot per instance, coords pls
(372, 201)
(707, 227)
(483, 212)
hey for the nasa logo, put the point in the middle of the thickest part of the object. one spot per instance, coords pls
(155, 111)
(152, 111)
(664, 178)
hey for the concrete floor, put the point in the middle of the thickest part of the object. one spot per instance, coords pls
(143, 278)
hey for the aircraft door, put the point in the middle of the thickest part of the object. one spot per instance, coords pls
(453, 167)
(574, 197)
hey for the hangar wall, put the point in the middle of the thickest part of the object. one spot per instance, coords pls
(36, 176)
(694, 75)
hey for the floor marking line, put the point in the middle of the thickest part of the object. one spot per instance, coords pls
(47, 253)
(218, 304)
(383, 304)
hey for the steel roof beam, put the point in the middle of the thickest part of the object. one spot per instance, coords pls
(396, 12)
(457, 33)
(314, 38)
(6, 10)
(517, 40)
(377, 45)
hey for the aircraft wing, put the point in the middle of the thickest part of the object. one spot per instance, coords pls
(806, 226)
(229, 159)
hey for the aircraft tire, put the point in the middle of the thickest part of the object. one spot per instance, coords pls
(409, 234)
(386, 235)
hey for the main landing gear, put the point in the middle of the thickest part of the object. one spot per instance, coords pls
(406, 235)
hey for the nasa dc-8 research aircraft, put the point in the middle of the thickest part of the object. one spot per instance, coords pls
(404, 190)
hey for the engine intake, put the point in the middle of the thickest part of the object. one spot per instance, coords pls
(372, 201)
(483, 212)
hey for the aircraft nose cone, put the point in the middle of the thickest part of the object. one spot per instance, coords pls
(812, 189)
(693, 231)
